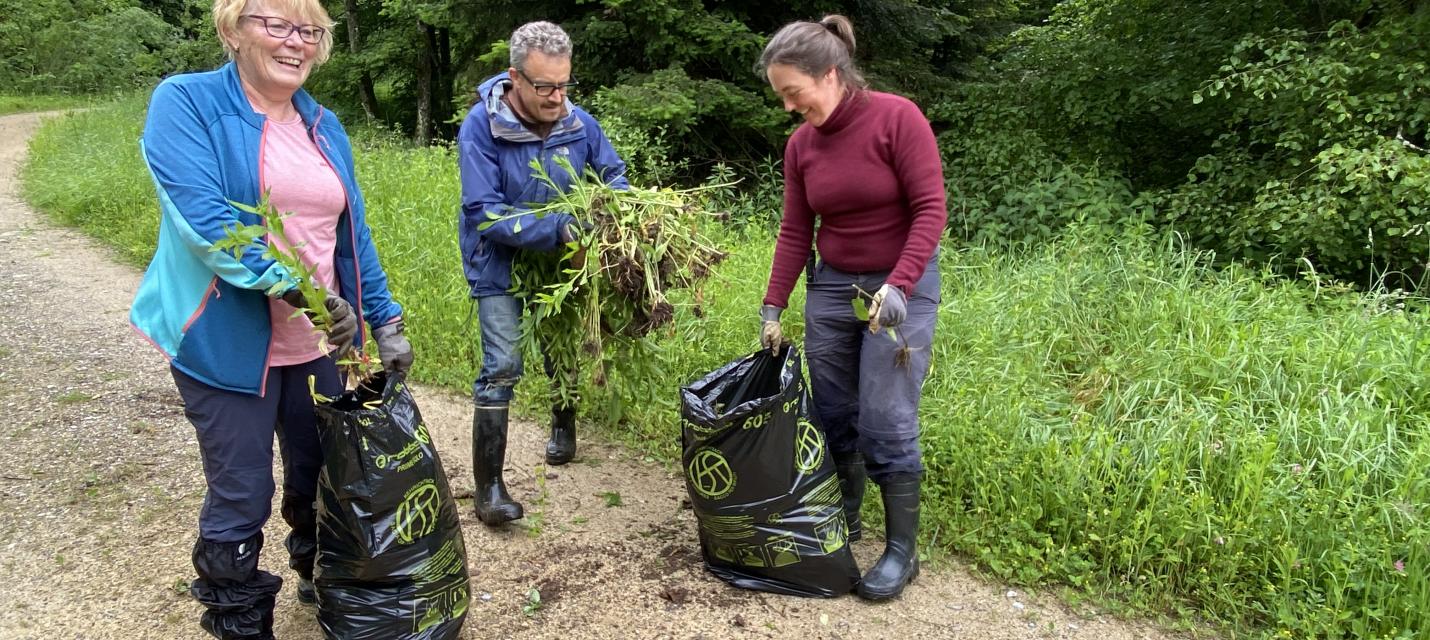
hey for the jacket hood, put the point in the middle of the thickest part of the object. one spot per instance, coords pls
(506, 126)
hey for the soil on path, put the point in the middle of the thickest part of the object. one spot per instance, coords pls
(100, 487)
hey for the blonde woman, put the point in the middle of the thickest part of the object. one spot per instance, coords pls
(240, 358)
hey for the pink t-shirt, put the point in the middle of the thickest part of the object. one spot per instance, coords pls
(301, 183)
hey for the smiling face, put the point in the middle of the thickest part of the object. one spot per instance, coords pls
(814, 97)
(541, 69)
(273, 67)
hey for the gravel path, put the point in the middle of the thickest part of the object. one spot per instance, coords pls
(100, 486)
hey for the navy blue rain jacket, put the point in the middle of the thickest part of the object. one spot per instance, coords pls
(494, 151)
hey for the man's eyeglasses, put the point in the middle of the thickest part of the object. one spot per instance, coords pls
(281, 29)
(545, 89)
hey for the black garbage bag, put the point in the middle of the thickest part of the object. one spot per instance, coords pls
(762, 485)
(391, 562)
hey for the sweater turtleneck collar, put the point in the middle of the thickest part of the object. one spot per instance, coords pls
(845, 112)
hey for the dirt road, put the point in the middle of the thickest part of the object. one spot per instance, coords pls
(100, 486)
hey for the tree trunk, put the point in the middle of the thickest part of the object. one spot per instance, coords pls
(426, 69)
(365, 90)
(442, 105)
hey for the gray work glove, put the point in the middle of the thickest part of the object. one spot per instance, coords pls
(294, 298)
(344, 327)
(574, 229)
(888, 308)
(393, 349)
(770, 334)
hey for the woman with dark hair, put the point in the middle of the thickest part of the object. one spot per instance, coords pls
(865, 165)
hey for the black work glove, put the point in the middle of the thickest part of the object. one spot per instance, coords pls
(393, 349)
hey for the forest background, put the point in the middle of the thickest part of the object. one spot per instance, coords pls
(1183, 359)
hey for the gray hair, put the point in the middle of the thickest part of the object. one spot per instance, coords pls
(814, 47)
(538, 36)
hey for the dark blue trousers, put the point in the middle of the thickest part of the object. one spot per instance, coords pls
(866, 386)
(235, 433)
(502, 364)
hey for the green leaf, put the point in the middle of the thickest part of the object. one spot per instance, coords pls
(861, 310)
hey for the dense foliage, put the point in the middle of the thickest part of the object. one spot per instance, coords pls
(1280, 132)
(1143, 406)
(682, 69)
(86, 46)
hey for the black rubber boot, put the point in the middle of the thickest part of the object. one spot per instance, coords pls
(238, 597)
(900, 563)
(494, 504)
(850, 469)
(562, 446)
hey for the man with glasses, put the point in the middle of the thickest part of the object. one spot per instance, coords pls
(521, 116)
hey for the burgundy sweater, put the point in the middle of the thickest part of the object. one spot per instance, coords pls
(872, 175)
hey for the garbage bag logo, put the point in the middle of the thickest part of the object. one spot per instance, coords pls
(809, 448)
(417, 515)
(711, 474)
(707, 429)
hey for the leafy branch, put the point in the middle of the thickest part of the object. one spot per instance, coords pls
(271, 239)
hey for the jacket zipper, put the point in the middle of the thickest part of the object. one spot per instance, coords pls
(352, 228)
(267, 358)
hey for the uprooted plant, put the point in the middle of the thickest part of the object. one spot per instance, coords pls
(903, 354)
(590, 307)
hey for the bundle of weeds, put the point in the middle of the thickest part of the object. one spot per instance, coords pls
(590, 307)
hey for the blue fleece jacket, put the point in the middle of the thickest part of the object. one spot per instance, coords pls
(494, 151)
(206, 311)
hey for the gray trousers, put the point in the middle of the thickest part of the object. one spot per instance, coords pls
(866, 386)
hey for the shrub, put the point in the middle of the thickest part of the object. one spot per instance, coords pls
(1325, 158)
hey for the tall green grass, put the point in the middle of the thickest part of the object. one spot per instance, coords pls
(22, 103)
(1108, 413)
(85, 171)
(1127, 418)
